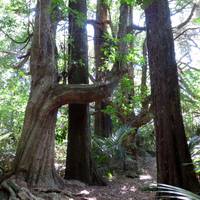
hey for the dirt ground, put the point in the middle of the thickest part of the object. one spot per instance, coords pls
(120, 187)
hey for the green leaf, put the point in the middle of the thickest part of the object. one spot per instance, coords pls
(196, 20)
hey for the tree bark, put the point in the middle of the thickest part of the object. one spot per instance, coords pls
(79, 165)
(103, 122)
(174, 164)
(34, 160)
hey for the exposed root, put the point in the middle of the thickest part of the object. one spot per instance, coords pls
(6, 185)
(10, 190)
(50, 190)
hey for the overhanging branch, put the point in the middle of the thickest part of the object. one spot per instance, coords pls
(135, 27)
(79, 93)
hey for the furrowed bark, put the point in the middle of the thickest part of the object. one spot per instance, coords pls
(174, 164)
(103, 122)
(34, 161)
(79, 163)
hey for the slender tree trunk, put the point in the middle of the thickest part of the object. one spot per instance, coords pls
(144, 75)
(103, 122)
(174, 164)
(35, 153)
(79, 163)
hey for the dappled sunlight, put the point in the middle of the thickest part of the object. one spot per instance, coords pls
(127, 188)
(145, 177)
(84, 192)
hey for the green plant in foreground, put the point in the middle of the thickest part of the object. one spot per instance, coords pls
(168, 191)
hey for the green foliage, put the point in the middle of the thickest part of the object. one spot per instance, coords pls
(196, 20)
(61, 125)
(122, 104)
(105, 149)
(14, 89)
(126, 100)
(148, 137)
(194, 145)
(18, 7)
(128, 2)
(110, 49)
(190, 95)
(142, 3)
(14, 94)
(14, 84)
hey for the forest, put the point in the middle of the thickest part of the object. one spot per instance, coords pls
(99, 99)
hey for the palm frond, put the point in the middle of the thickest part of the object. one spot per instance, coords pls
(169, 191)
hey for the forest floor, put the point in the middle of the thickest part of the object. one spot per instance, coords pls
(120, 187)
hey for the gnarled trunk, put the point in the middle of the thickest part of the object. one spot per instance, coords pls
(34, 160)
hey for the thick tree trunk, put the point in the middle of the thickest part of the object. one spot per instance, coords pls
(173, 158)
(103, 122)
(78, 164)
(78, 149)
(35, 153)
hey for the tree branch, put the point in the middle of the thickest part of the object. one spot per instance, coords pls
(79, 93)
(135, 27)
(188, 19)
(15, 41)
(24, 60)
(95, 23)
(180, 9)
(142, 118)
(188, 29)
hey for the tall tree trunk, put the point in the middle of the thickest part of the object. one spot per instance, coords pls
(174, 164)
(35, 153)
(79, 163)
(103, 122)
